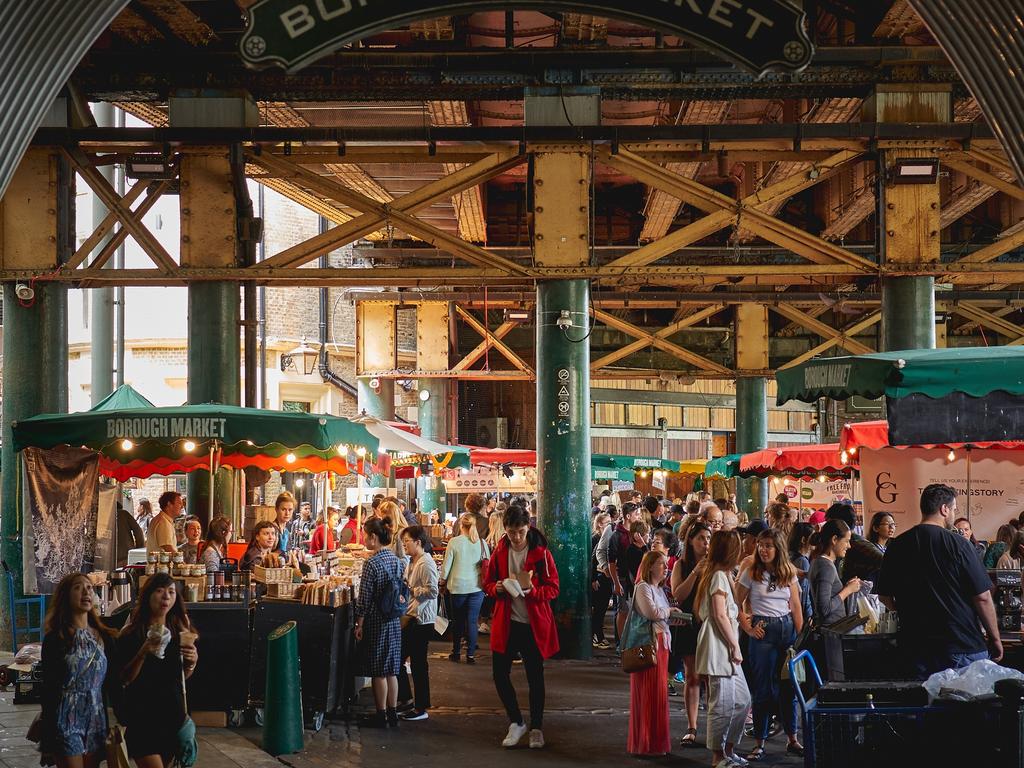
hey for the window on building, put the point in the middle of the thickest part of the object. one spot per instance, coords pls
(296, 406)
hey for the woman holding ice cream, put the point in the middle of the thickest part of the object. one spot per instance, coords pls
(157, 652)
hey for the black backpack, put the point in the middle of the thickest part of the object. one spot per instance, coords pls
(393, 597)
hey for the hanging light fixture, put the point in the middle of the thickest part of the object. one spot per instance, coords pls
(127, 445)
(951, 456)
(290, 458)
(189, 446)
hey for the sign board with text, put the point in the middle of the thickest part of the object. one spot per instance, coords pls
(759, 35)
(893, 478)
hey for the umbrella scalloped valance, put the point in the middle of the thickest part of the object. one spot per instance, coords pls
(875, 434)
(140, 442)
(794, 461)
(934, 373)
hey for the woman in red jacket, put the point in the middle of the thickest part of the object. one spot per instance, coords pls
(522, 579)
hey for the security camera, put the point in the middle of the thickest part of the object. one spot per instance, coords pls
(564, 320)
(24, 292)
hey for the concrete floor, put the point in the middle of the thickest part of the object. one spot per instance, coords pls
(585, 723)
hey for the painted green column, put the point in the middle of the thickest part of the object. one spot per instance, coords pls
(908, 313)
(751, 435)
(214, 355)
(433, 420)
(35, 380)
(379, 402)
(563, 453)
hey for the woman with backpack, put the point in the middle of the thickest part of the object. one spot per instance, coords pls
(522, 579)
(382, 600)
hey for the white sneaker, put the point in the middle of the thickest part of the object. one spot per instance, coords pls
(739, 762)
(536, 739)
(514, 735)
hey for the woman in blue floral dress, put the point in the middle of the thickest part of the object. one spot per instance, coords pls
(75, 650)
(381, 637)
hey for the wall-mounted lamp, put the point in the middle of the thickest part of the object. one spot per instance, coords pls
(303, 354)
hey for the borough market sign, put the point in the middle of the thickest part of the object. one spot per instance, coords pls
(759, 35)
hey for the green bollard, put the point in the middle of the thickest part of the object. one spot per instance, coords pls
(282, 716)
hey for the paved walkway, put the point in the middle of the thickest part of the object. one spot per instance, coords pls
(585, 724)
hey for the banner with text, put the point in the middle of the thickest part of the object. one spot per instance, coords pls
(813, 494)
(993, 481)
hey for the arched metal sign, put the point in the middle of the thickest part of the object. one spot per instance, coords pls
(759, 35)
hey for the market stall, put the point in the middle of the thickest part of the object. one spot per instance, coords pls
(931, 395)
(145, 441)
(812, 477)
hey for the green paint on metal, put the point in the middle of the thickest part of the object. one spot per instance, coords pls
(432, 417)
(282, 719)
(908, 313)
(378, 402)
(563, 453)
(214, 376)
(751, 435)
(35, 378)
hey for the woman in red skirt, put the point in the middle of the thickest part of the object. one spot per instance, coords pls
(648, 692)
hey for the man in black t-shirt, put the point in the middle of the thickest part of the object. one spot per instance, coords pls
(935, 582)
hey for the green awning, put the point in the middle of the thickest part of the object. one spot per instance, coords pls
(724, 466)
(935, 373)
(614, 461)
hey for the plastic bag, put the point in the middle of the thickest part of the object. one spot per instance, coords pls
(976, 679)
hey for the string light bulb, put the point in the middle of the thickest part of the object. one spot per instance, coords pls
(127, 445)
(951, 456)
(844, 457)
(643, 473)
(342, 450)
(189, 446)
(290, 458)
(299, 482)
(360, 451)
(821, 478)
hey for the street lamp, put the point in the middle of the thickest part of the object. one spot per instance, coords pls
(304, 353)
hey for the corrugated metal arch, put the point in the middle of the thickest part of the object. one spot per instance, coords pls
(41, 44)
(984, 40)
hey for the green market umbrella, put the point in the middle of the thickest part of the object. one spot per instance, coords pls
(125, 396)
(724, 466)
(934, 373)
(141, 442)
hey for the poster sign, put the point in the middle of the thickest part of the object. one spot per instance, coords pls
(760, 35)
(991, 484)
(490, 480)
(813, 494)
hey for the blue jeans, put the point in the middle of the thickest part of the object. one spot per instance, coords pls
(925, 664)
(771, 694)
(465, 615)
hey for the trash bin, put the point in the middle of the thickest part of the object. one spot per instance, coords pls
(282, 718)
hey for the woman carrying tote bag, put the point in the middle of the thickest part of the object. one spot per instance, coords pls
(718, 650)
(648, 694)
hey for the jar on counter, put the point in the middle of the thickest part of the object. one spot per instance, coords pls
(165, 557)
(163, 568)
(150, 568)
(152, 557)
